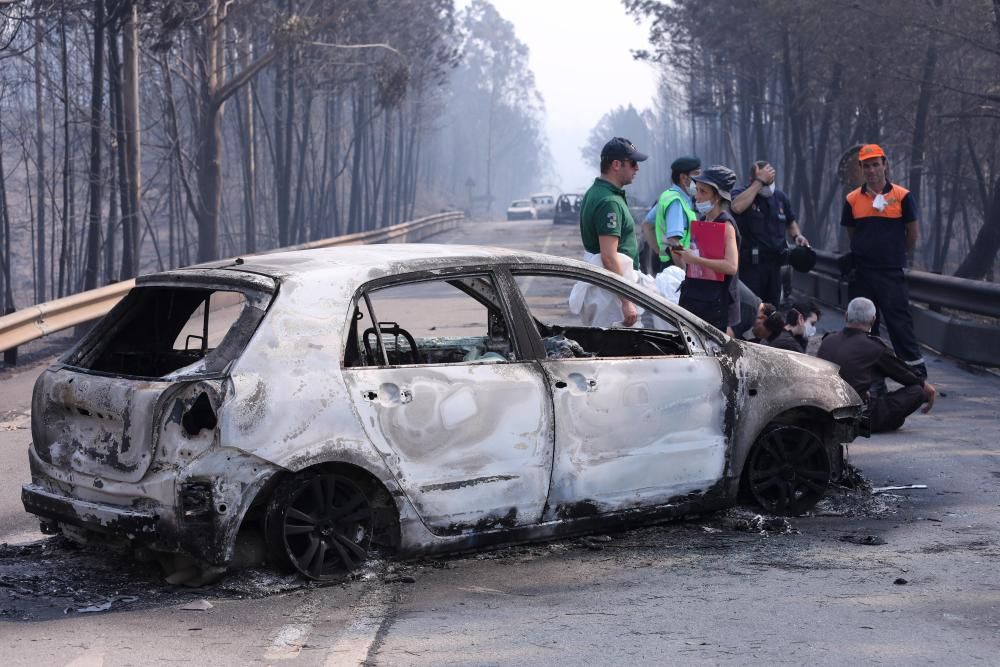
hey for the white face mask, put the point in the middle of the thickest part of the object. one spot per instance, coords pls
(703, 207)
(810, 330)
(767, 190)
(692, 189)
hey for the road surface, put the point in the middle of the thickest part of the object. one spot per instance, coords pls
(893, 578)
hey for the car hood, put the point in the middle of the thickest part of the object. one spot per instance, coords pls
(763, 363)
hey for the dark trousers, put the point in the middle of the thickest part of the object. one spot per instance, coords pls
(715, 310)
(763, 278)
(650, 261)
(889, 411)
(887, 289)
(786, 284)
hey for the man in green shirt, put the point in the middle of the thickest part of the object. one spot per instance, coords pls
(606, 225)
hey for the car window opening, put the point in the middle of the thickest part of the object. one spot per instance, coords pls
(456, 320)
(157, 331)
(568, 331)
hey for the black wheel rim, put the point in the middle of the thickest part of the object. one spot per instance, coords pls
(789, 470)
(326, 526)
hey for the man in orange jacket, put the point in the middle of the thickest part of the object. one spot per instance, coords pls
(881, 221)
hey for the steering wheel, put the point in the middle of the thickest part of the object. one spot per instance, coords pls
(393, 329)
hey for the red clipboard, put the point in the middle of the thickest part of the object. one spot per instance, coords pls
(710, 240)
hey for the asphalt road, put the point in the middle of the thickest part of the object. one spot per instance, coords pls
(893, 578)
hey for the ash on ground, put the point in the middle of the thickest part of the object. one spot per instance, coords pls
(55, 577)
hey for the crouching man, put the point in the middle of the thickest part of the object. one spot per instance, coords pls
(865, 360)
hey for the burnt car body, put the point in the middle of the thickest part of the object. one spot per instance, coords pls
(567, 210)
(419, 398)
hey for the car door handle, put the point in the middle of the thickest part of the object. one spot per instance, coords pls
(390, 394)
(578, 383)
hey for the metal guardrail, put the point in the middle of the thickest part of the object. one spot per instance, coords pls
(43, 319)
(966, 339)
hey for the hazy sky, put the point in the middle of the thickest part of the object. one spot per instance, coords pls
(583, 69)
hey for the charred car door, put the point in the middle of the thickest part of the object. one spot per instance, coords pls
(462, 420)
(639, 412)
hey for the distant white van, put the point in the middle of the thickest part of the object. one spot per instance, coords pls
(544, 204)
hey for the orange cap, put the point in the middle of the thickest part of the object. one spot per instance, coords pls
(868, 151)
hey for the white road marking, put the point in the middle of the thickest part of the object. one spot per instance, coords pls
(548, 242)
(359, 636)
(525, 285)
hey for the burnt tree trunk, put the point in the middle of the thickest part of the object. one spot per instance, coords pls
(94, 169)
(41, 290)
(132, 154)
(983, 252)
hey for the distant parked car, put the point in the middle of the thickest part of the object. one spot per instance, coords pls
(417, 398)
(544, 204)
(567, 209)
(521, 209)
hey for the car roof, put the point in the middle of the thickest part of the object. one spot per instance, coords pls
(359, 262)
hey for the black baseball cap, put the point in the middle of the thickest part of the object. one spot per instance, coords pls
(685, 163)
(620, 148)
(802, 258)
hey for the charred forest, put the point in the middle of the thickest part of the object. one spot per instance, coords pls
(800, 83)
(142, 135)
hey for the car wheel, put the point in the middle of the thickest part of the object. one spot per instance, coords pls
(319, 524)
(788, 470)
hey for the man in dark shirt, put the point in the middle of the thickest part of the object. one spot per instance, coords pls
(865, 360)
(765, 218)
(881, 221)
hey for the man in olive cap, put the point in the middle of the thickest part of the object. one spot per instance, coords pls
(668, 222)
(606, 225)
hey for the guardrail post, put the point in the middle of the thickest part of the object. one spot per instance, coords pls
(10, 356)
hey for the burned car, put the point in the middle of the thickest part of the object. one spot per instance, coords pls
(567, 209)
(417, 399)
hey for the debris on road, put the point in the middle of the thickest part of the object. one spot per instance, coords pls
(900, 581)
(104, 606)
(868, 540)
(758, 523)
(197, 605)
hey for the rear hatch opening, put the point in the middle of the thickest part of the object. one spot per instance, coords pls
(159, 356)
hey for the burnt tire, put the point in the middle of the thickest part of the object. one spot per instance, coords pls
(320, 524)
(788, 470)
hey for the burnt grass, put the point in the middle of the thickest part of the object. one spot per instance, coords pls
(56, 578)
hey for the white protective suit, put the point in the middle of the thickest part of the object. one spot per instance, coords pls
(598, 307)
